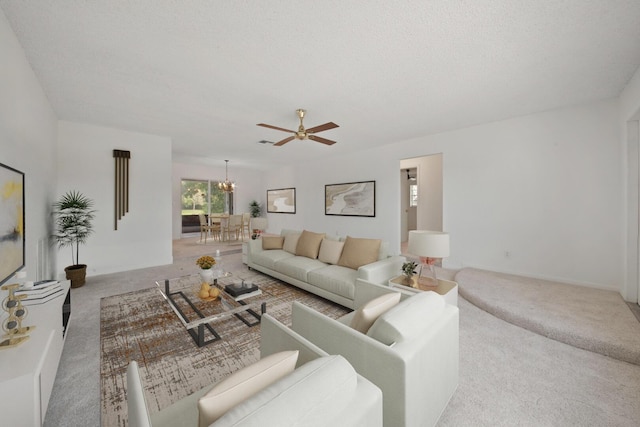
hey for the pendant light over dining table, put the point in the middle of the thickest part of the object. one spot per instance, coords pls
(227, 186)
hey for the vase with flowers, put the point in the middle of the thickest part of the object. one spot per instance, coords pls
(205, 263)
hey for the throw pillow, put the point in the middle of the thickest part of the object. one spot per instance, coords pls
(290, 242)
(330, 251)
(244, 383)
(309, 244)
(272, 242)
(359, 252)
(368, 313)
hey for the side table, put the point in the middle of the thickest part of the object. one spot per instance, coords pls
(447, 288)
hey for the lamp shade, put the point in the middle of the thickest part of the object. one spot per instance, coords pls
(429, 244)
(259, 223)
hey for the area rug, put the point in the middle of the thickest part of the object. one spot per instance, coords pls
(591, 319)
(141, 326)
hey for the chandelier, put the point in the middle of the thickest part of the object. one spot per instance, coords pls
(227, 186)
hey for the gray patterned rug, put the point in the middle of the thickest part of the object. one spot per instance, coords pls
(141, 326)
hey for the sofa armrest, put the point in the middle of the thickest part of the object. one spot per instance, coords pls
(276, 337)
(381, 271)
(254, 246)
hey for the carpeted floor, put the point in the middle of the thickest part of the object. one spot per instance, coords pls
(592, 319)
(141, 326)
(509, 376)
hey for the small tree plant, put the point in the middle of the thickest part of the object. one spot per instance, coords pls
(73, 222)
(255, 209)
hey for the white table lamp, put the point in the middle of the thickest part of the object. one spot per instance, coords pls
(429, 246)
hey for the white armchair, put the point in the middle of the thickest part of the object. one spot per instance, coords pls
(323, 391)
(411, 352)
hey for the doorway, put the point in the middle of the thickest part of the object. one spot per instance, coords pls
(421, 200)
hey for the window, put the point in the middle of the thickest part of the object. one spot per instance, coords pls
(203, 197)
(413, 195)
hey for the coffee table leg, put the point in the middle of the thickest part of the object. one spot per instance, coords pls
(201, 335)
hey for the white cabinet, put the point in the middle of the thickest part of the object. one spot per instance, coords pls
(28, 371)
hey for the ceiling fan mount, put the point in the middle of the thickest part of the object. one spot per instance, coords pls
(303, 133)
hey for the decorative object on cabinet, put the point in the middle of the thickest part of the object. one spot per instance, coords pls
(12, 325)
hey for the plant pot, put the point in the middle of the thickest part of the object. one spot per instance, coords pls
(410, 281)
(77, 274)
(206, 275)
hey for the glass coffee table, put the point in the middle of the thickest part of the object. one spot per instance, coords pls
(198, 314)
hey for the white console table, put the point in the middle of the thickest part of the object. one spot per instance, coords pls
(28, 371)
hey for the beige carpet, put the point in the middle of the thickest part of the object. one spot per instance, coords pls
(141, 326)
(591, 319)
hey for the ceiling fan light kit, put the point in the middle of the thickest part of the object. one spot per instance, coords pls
(303, 133)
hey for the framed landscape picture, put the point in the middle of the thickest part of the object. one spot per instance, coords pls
(11, 222)
(350, 199)
(282, 200)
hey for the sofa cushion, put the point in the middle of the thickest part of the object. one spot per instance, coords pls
(309, 244)
(407, 319)
(335, 279)
(305, 397)
(269, 258)
(330, 251)
(369, 312)
(291, 242)
(298, 267)
(244, 383)
(272, 242)
(358, 252)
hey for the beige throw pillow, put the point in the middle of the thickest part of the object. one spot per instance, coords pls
(366, 315)
(290, 242)
(272, 242)
(309, 244)
(359, 252)
(330, 251)
(243, 384)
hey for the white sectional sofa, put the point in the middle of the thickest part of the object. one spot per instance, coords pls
(340, 269)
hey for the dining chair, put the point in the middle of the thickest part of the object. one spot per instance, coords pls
(216, 227)
(234, 226)
(204, 227)
(246, 220)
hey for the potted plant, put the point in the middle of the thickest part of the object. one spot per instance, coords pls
(255, 209)
(409, 269)
(205, 263)
(73, 224)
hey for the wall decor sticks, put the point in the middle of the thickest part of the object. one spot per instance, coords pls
(121, 184)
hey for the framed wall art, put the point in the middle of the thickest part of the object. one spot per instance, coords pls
(12, 245)
(350, 199)
(282, 200)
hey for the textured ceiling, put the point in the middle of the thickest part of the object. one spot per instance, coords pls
(205, 72)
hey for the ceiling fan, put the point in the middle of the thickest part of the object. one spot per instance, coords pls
(303, 133)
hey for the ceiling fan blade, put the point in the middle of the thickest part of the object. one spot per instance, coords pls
(275, 127)
(322, 140)
(320, 128)
(284, 141)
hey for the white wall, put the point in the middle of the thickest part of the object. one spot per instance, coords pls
(248, 188)
(27, 143)
(546, 188)
(86, 164)
(630, 141)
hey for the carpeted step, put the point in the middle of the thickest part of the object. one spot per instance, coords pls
(592, 319)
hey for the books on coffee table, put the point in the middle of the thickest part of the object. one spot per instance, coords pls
(237, 291)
